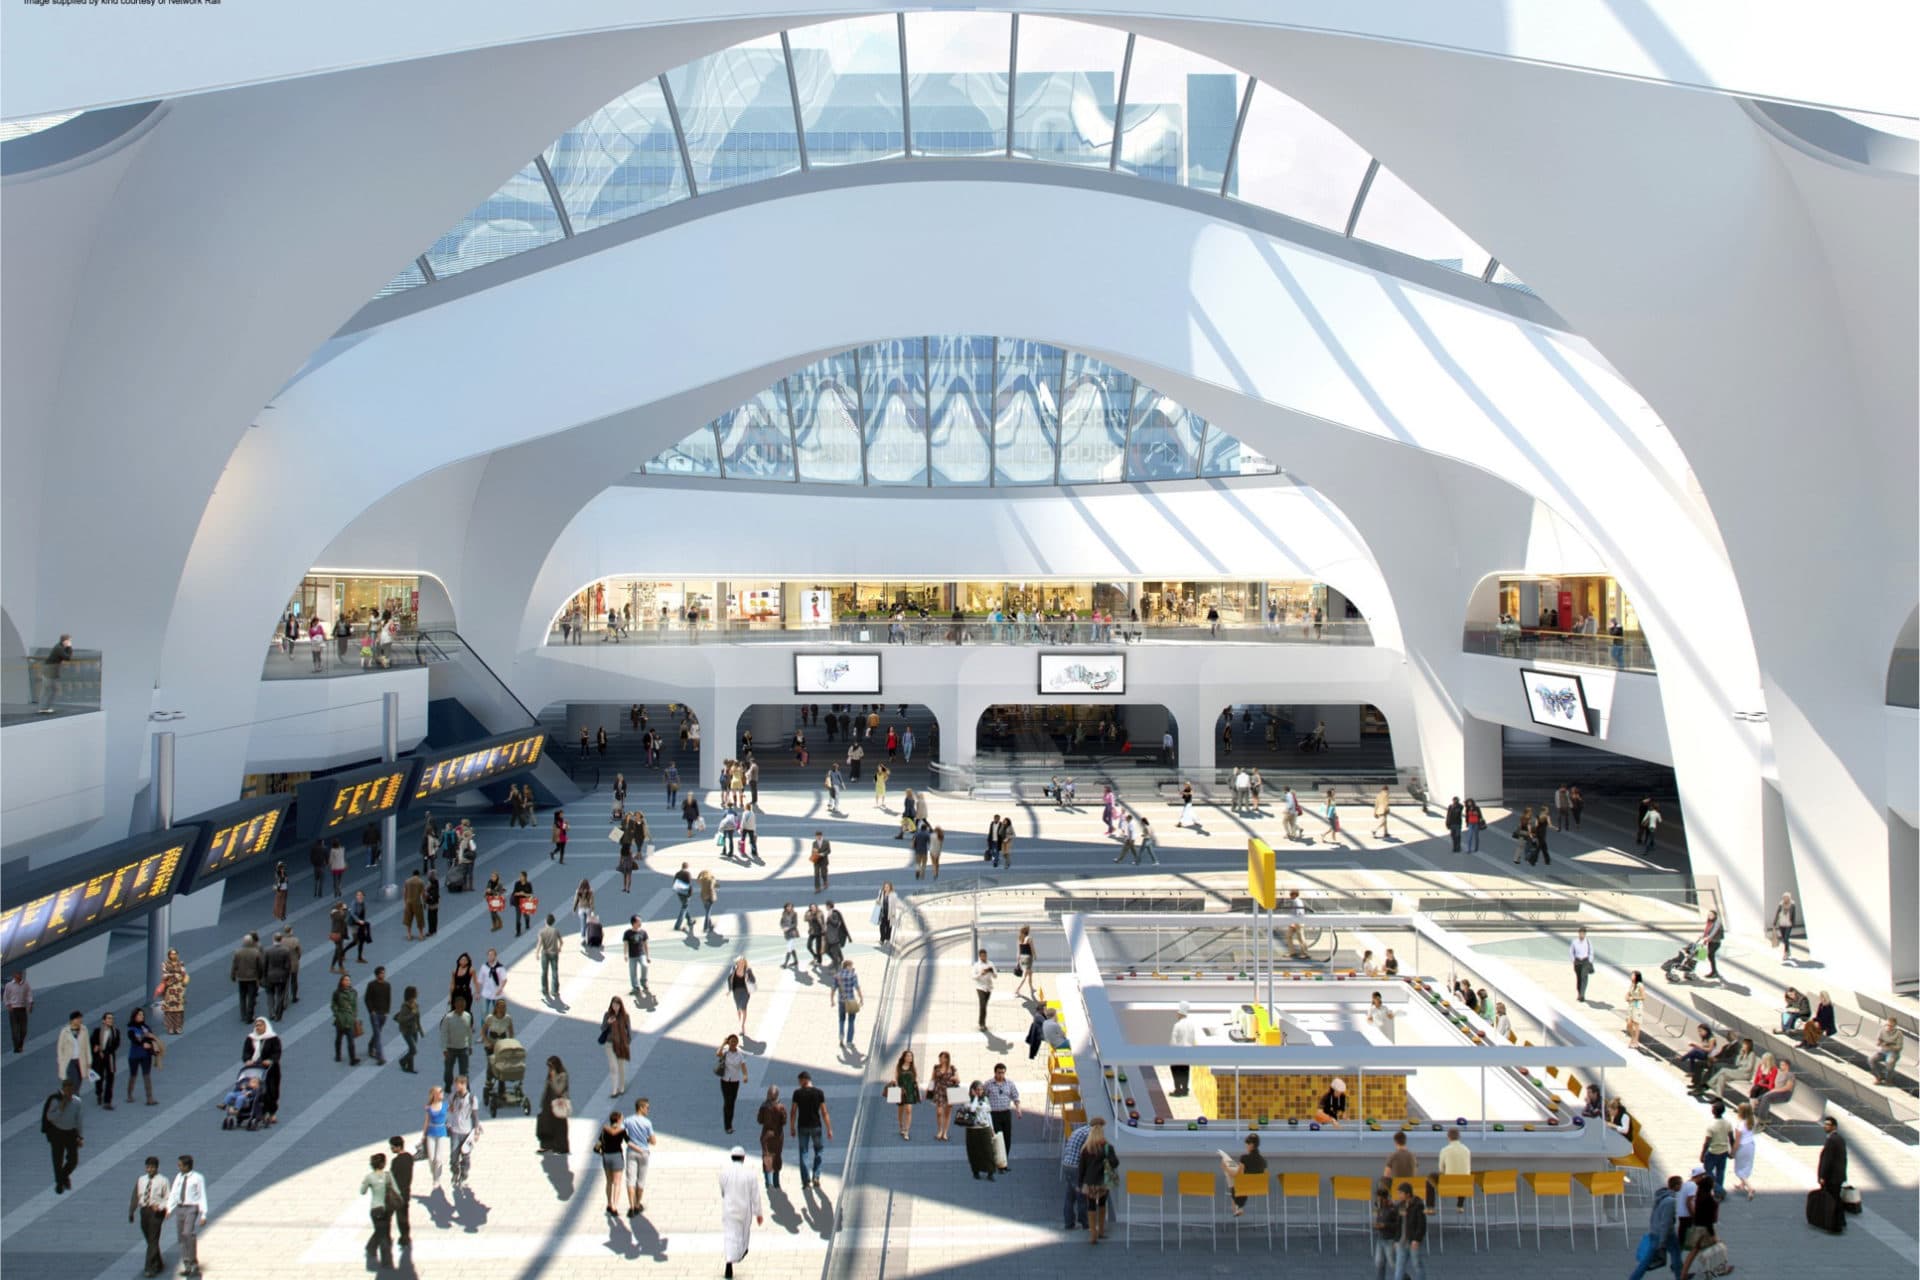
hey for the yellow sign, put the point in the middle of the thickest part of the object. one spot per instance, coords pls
(1260, 873)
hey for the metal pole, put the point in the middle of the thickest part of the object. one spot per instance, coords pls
(160, 921)
(390, 825)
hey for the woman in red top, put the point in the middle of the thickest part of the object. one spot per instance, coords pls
(559, 837)
(893, 743)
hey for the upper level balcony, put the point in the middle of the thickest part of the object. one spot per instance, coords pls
(965, 630)
(1509, 639)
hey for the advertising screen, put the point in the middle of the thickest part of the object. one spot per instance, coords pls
(353, 798)
(1080, 673)
(445, 772)
(816, 608)
(235, 837)
(1556, 700)
(83, 897)
(836, 673)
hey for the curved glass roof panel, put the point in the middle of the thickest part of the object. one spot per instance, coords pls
(736, 110)
(29, 125)
(937, 84)
(960, 410)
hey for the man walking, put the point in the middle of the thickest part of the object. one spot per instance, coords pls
(822, 851)
(187, 1206)
(1074, 1210)
(379, 1003)
(413, 905)
(635, 939)
(293, 968)
(983, 975)
(73, 1052)
(276, 968)
(639, 1153)
(18, 997)
(248, 964)
(836, 935)
(463, 1124)
(683, 890)
(400, 1169)
(1456, 821)
(1003, 1102)
(60, 1121)
(456, 1041)
(1290, 814)
(1563, 807)
(149, 1206)
(739, 1202)
(1581, 953)
(1410, 1257)
(106, 1060)
(1662, 1229)
(549, 944)
(808, 1120)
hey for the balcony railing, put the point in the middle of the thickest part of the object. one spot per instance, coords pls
(976, 631)
(1629, 653)
(32, 692)
(351, 656)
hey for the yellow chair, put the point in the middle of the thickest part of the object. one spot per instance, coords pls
(1641, 1160)
(1455, 1186)
(1188, 1185)
(1512, 1039)
(1057, 1078)
(1498, 1182)
(1545, 1186)
(1147, 1186)
(1553, 1073)
(1299, 1186)
(1603, 1185)
(1574, 1087)
(1251, 1187)
(1352, 1190)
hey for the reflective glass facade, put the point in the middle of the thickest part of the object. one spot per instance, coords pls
(946, 84)
(959, 411)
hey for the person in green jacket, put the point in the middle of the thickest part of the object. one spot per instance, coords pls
(346, 1019)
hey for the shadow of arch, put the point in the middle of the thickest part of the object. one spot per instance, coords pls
(16, 686)
(1903, 666)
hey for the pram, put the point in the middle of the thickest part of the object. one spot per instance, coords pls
(245, 1105)
(507, 1077)
(1684, 962)
(460, 874)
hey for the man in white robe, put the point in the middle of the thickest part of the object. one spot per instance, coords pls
(739, 1203)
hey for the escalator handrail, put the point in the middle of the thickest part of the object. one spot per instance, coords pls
(468, 649)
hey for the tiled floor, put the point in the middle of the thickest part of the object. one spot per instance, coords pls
(284, 1198)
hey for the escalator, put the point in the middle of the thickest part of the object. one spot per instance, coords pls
(467, 700)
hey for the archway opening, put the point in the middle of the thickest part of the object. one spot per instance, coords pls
(796, 743)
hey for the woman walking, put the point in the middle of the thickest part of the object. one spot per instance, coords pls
(790, 930)
(1186, 805)
(906, 1078)
(1474, 824)
(345, 1010)
(612, 1146)
(845, 997)
(1331, 813)
(672, 777)
(616, 1037)
(976, 1117)
(816, 932)
(142, 1045)
(933, 850)
(773, 1136)
(945, 1076)
(559, 850)
(741, 984)
(731, 1066)
(690, 812)
(886, 909)
(556, 1108)
(433, 1131)
(280, 887)
(880, 775)
(337, 933)
(1786, 918)
(1023, 963)
(583, 906)
(1523, 846)
(1636, 1008)
(362, 926)
(1097, 1163)
(1108, 808)
(460, 985)
(173, 993)
(1744, 1142)
(336, 863)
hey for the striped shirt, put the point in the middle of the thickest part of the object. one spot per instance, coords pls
(1002, 1094)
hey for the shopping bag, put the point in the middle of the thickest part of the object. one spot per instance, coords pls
(1000, 1150)
(699, 824)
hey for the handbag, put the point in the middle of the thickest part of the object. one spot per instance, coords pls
(719, 1065)
(852, 1003)
(614, 835)
(561, 1108)
(359, 1028)
(335, 936)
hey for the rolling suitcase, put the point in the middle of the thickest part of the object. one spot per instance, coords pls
(1825, 1212)
(594, 935)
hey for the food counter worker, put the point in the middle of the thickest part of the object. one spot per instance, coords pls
(1184, 1031)
(1333, 1103)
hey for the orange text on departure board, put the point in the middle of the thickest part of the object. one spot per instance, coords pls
(243, 840)
(370, 799)
(478, 766)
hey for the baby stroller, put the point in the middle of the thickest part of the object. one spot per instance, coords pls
(1684, 962)
(460, 874)
(507, 1077)
(245, 1105)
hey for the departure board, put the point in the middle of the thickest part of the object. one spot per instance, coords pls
(351, 799)
(81, 898)
(444, 772)
(236, 837)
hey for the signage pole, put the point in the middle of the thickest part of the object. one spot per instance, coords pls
(160, 919)
(390, 825)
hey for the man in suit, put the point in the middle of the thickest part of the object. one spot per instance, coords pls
(1832, 1171)
(277, 969)
(400, 1165)
(150, 1192)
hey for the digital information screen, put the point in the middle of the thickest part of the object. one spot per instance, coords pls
(445, 772)
(79, 899)
(1075, 673)
(236, 836)
(836, 673)
(351, 799)
(1556, 700)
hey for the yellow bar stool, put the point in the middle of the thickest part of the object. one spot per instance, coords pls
(1299, 1186)
(1187, 1186)
(1352, 1190)
(1575, 1089)
(1603, 1185)
(1455, 1186)
(1498, 1182)
(1253, 1186)
(1639, 1161)
(1546, 1185)
(1144, 1186)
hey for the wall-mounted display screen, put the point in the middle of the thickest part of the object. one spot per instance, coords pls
(353, 797)
(236, 836)
(816, 608)
(83, 897)
(1556, 700)
(1078, 673)
(444, 772)
(836, 673)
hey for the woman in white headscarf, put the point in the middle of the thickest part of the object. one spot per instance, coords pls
(262, 1049)
(741, 1208)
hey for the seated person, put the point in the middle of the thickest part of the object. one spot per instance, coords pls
(1821, 1024)
(1699, 1055)
(1502, 1024)
(1795, 1011)
(1888, 1046)
(1053, 1033)
(1333, 1103)
(1617, 1118)
(240, 1098)
(1593, 1107)
(1764, 1101)
(1483, 1004)
(1741, 1068)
